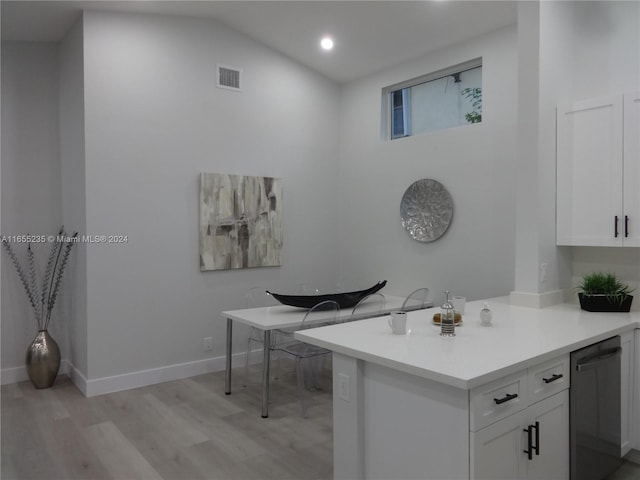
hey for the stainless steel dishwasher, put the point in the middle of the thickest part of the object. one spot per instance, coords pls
(594, 414)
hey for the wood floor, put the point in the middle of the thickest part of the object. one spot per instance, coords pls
(186, 429)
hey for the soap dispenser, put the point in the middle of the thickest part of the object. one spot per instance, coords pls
(447, 318)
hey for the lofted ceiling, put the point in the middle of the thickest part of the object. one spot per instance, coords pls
(369, 35)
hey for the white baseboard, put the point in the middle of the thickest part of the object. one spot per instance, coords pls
(168, 373)
(143, 378)
(116, 383)
(540, 300)
(78, 379)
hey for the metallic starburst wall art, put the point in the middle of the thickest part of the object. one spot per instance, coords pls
(240, 221)
(426, 210)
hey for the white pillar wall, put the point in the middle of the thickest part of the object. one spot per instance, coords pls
(74, 196)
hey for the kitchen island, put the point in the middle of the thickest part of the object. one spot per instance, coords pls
(419, 405)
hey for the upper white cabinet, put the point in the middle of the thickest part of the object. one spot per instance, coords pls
(598, 172)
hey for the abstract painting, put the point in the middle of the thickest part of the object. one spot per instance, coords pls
(240, 221)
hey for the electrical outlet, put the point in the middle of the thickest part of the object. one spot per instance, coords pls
(207, 343)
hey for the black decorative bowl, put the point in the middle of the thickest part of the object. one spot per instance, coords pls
(344, 299)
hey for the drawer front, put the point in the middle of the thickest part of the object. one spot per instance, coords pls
(498, 399)
(548, 378)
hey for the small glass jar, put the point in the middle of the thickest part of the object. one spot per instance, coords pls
(485, 316)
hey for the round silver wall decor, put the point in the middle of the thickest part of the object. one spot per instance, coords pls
(426, 210)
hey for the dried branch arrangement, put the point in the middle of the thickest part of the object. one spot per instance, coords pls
(42, 291)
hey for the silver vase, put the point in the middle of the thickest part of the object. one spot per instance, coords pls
(43, 360)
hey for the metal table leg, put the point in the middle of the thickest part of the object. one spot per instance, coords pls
(227, 377)
(266, 364)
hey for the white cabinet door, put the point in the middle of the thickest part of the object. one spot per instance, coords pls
(627, 371)
(551, 461)
(499, 451)
(631, 185)
(589, 173)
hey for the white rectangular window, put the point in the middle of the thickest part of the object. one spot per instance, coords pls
(443, 99)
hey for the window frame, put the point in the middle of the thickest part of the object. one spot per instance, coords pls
(406, 113)
(387, 97)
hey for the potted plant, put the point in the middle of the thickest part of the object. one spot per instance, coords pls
(603, 292)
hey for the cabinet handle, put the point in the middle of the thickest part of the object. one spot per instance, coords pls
(509, 396)
(626, 226)
(531, 448)
(615, 227)
(553, 378)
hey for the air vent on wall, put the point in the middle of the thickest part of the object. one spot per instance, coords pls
(229, 77)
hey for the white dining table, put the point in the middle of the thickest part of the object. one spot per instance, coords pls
(275, 317)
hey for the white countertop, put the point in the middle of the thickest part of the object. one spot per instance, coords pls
(520, 337)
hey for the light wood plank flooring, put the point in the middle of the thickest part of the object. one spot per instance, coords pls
(185, 429)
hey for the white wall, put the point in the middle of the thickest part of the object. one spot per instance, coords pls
(606, 48)
(476, 163)
(543, 50)
(31, 201)
(154, 120)
(526, 199)
(555, 53)
(72, 153)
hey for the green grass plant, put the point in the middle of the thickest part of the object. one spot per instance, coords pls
(605, 284)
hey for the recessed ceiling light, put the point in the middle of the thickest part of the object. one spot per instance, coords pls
(326, 43)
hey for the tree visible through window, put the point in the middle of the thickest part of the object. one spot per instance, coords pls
(434, 102)
(475, 95)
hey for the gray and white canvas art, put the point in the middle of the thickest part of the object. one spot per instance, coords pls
(240, 221)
